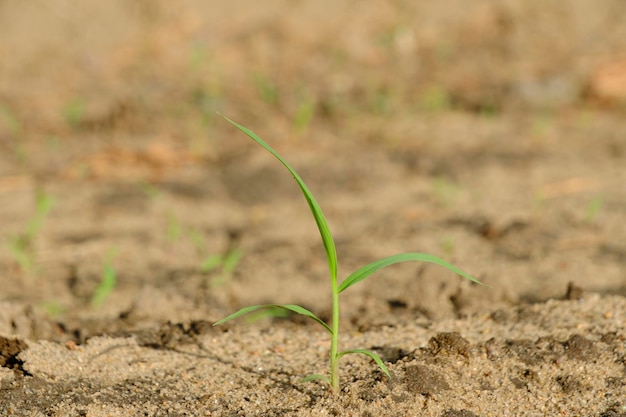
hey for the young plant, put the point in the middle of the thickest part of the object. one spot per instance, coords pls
(22, 246)
(74, 112)
(108, 282)
(11, 125)
(336, 288)
(435, 99)
(52, 308)
(304, 112)
(593, 209)
(267, 89)
(222, 265)
(446, 191)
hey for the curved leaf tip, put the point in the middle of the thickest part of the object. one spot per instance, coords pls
(291, 307)
(367, 270)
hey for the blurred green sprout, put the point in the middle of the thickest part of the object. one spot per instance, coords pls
(22, 246)
(108, 282)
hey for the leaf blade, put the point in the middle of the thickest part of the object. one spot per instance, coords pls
(320, 220)
(315, 377)
(372, 355)
(291, 307)
(367, 270)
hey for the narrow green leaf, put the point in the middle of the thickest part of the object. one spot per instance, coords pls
(364, 272)
(372, 355)
(231, 260)
(290, 307)
(267, 313)
(315, 377)
(303, 311)
(240, 313)
(322, 225)
(211, 263)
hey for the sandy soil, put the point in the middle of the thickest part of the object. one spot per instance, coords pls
(489, 133)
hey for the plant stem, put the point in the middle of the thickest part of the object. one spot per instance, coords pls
(334, 341)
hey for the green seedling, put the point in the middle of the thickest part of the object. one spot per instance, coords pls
(593, 209)
(381, 100)
(9, 121)
(198, 56)
(331, 255)
(53, 308)
(149, 189)
(22, 246)
(446, 191)
(489, 110)
(74, 112)
(304, 113)
(435, 99)
(108, 282)
(223, 265)
(541, 125)
(447, 245)
(198, 240)
(174, 228)
(268, 91)
(10, 124)
(205, 101)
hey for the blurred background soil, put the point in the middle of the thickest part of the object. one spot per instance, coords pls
(490, 133)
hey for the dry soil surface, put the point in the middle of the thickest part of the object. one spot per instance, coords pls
(490, 133)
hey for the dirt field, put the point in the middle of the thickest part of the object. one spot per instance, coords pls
(489, 133)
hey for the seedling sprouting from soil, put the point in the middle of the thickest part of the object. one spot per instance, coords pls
(223, 265)
(304, 112)
(331, 255)
(108, 282)
(73, 112)
(22, 246)
(268, 91)
(593, 209)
